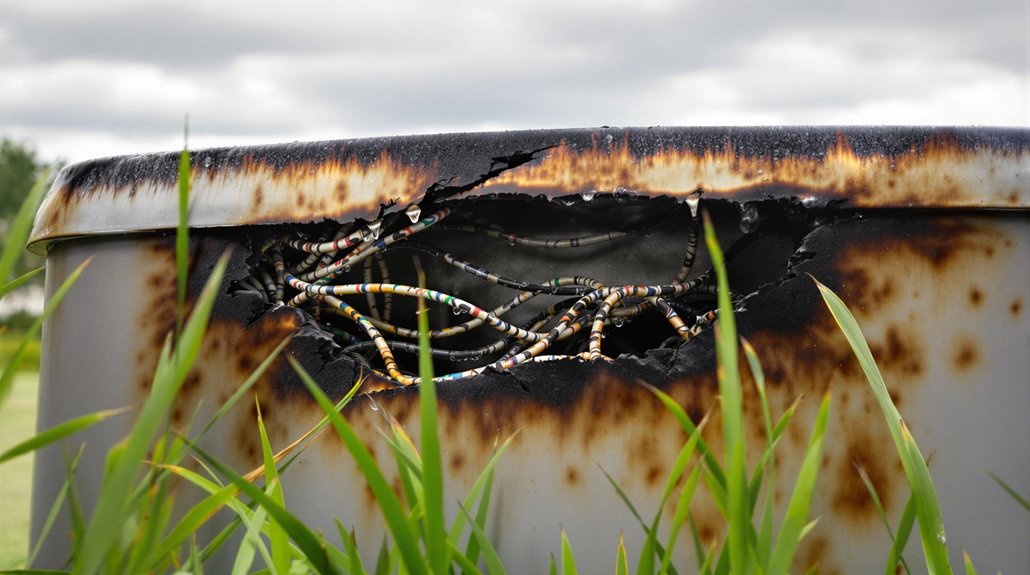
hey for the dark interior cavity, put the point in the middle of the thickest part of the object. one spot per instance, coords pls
(759, 239)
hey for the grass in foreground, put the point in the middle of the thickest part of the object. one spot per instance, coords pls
(17, 423)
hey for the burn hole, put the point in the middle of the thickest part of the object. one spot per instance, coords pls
(513, 279)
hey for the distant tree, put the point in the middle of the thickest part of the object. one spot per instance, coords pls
(19, 168)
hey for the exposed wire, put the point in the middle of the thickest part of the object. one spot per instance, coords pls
(315, 280)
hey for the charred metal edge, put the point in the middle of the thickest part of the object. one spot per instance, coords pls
(355, 179)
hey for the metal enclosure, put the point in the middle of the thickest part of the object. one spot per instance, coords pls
(923, 232)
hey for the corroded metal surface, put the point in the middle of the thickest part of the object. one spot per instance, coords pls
(941, 295)
(352, 179)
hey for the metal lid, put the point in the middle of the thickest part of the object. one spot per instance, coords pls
(874, 167)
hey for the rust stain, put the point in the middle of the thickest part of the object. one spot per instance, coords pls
(966, 354)
(850, 497)
(939, 174)
(572, 478)
(813, 553)
(457, 462)
(976, 297)
(340, 180)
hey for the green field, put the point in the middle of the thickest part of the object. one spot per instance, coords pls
(17, 422)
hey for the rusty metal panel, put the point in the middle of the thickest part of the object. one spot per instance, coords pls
(942, 296)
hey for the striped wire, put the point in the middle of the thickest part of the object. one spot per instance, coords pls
(594, 307)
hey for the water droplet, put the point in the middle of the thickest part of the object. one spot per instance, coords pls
(456, 310)
(941, 539)
(346, 268)
(207, 162)
(609, 139)
(375, 406)
(618, 321)
(588, 196)
(413, 212)
(748, 218)
(693, 201)
(808, 201)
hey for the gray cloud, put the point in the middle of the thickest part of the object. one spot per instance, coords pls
(120, 70)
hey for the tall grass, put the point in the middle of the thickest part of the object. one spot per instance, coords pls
(134, 527)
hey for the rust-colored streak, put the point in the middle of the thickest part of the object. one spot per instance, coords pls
(850, 496)
(813, 553)
(966, 354)
(976, 297)
(940, 174)
(252, 192)
(572, 478)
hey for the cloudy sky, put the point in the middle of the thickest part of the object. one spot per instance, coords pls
(88, 79)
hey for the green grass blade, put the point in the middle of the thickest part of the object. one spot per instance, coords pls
(312, 546)
(155, 522)
(621, 564)
(216, 543)
(706, 567)
(18, 282)
(552, 566)
(699, 549)
(278, 540)
(434, 528)
(679, 517)
(931, 525)
(182, 235)
(76, 516)
(21, 226)
(568, 561)
(732, 410)
(1022, 501)
(252, 543)
(197, 515)
(875, 496)
(247, 384)
(55, 508)
(7, 377)
(646, 563)
(407, 466)
(625, 498)
(688, 426)
(897, 550)
(467, 565)
(490, 556)
(807, 529)
(124, 459)
(792, 527)
(383, 559)
(928, 512)
(350, 545)
(388, 501)
(763, 545)
(480, 490)
(472, 549)
(197, 566)
(59, 432)
(970, 570)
